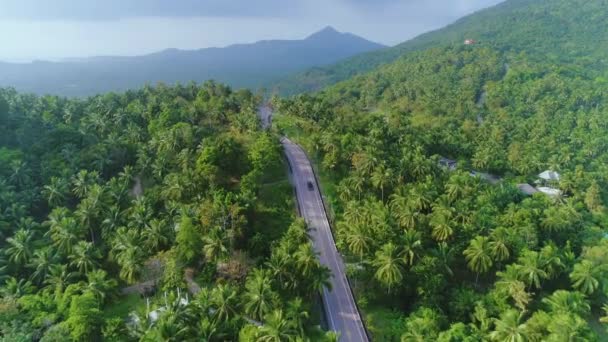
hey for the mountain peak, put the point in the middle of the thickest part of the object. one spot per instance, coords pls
(328, 31)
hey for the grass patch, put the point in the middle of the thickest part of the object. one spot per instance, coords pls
(123, 305)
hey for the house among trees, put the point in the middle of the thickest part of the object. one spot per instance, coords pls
(469, 42)
(549, 176)
(450, 164)
(527, 189)
(546, 179)
(552, 192)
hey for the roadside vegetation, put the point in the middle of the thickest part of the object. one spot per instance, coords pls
(438, 254)
(112, 205)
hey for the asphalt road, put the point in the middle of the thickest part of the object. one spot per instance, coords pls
(340, 308)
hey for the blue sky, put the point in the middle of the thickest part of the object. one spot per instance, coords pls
(44, 29)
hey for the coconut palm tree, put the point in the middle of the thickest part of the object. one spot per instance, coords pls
(100, 285)
(562, 301)
(16, 288)
(499, 244)
(319, 280)
(357, 239)
(20, 247)
(55, 192)
(604, 319)
(83, 181)
(215, 245)
(584, 277)
(298, 313)
(84, 256)
(551, 260)
(277, 328)
(131, 262)
(306, 259)
(530, 269)
(259, 298)
(65, 234)
(223, 299)
(442, 227)
(445, 255)
(510, 284)
(41, 263)
(509, 328)
(382, 177)
(411, 244)
(59, 278)
(155, 235)
(389, 265)
(403, 211)
(478, 256)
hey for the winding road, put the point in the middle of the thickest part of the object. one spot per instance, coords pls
(340, 308)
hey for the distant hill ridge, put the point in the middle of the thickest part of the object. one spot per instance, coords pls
(544, 29)
(239, 65)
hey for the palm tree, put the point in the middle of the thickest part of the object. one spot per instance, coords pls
(584, 277)
(90, 208)
(155, 235)
(259, 298)
(319, 280)
(297, 312)
(223, 298)
(551, 260)
(357, 240)
(207, 330)
(100, 285)
(131, 261)
(21, 247)
(215, 245)
(509, 328)
(562, 301)
(441, 223)
(389, 265)
(381, 178)
(444, 255)
(509, 283)
(478, 256)
(42, 262)
(306, 259)
(59, 278)
(412, 246)
(405, 214)
(604, 319)
(84, 256)
(499, 245)
(83, 181)
(277, 328)
(55, 192)
(64, 234)
(16, 288)
(530, 269)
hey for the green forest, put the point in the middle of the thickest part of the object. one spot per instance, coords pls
(438, 254)
(166, 213)
(175, 188)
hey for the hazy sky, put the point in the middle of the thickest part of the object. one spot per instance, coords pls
(54, 29)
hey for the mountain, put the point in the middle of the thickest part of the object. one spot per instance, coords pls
(241, 65)
(558, 30)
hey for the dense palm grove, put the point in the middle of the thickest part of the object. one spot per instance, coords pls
(155, 186)
(454, 257)
(165, 213)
